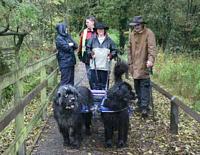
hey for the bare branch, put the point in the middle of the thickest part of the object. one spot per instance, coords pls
(14, 33)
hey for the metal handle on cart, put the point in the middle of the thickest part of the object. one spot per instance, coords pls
(108, 75)
(95, 68)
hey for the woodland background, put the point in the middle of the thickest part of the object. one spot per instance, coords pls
(27, 32)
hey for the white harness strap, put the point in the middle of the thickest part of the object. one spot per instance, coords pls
(83, 40)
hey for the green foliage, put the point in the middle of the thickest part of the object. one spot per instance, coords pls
(113, 34)
(181, 74)
(3, 11)
(3, 66)
(197, 106)
(57, 2)
(31, 82)
(175, 23)
(25, 15)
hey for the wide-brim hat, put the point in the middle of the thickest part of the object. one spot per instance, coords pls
(137, 20)
(100, 25)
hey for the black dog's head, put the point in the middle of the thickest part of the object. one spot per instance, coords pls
(67, 98)
(119, 96)
(121, 93)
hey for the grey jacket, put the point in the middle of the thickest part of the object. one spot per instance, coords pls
(101, 51)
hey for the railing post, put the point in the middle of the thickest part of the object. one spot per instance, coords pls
(151, 101)
(19, 121)
(1, 99)
(18, 95)
(174, 118)
(43, 91)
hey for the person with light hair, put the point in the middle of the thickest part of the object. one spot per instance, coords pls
(85, 36)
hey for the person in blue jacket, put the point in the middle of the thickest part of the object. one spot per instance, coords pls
(66, 56)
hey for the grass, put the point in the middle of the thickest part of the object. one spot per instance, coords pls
(180, 73)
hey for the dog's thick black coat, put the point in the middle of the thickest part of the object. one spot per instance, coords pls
(67, 107)
(118, 98)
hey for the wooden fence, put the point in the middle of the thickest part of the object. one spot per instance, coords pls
(17, 112)
(175, 105)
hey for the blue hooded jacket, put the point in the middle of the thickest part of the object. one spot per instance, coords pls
(66, 55)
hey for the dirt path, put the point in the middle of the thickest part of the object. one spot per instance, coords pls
(145, 136)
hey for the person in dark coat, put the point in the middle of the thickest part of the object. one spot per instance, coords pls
(66, 56)
(102, 50)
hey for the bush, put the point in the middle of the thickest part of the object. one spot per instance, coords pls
(180, 74)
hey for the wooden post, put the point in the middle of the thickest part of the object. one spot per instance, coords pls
(18, 95)
(174, 118)
(1, 99)
(19, 121)
(43, 92)
(151, 101)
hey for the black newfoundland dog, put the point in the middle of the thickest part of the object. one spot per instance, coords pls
(67, 108)
(118, 99)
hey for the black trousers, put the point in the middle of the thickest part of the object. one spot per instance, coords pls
(143, 89)
(67, 75)
(88, 71)
(99, 79)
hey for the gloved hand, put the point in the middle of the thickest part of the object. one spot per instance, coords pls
(71, 44)
(110, 56)
(92, 54)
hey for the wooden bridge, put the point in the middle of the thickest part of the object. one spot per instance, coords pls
(38, 134)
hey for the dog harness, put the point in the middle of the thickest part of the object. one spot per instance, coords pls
(99, 98)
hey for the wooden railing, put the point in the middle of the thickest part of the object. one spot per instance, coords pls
(175, 105)
(17, 112)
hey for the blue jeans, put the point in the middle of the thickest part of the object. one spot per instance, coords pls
(67, 75)
(143, 88)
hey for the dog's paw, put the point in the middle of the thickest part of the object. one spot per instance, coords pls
(121, 144)
(108, 144)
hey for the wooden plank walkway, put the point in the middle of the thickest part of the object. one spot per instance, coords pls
(51, 141)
